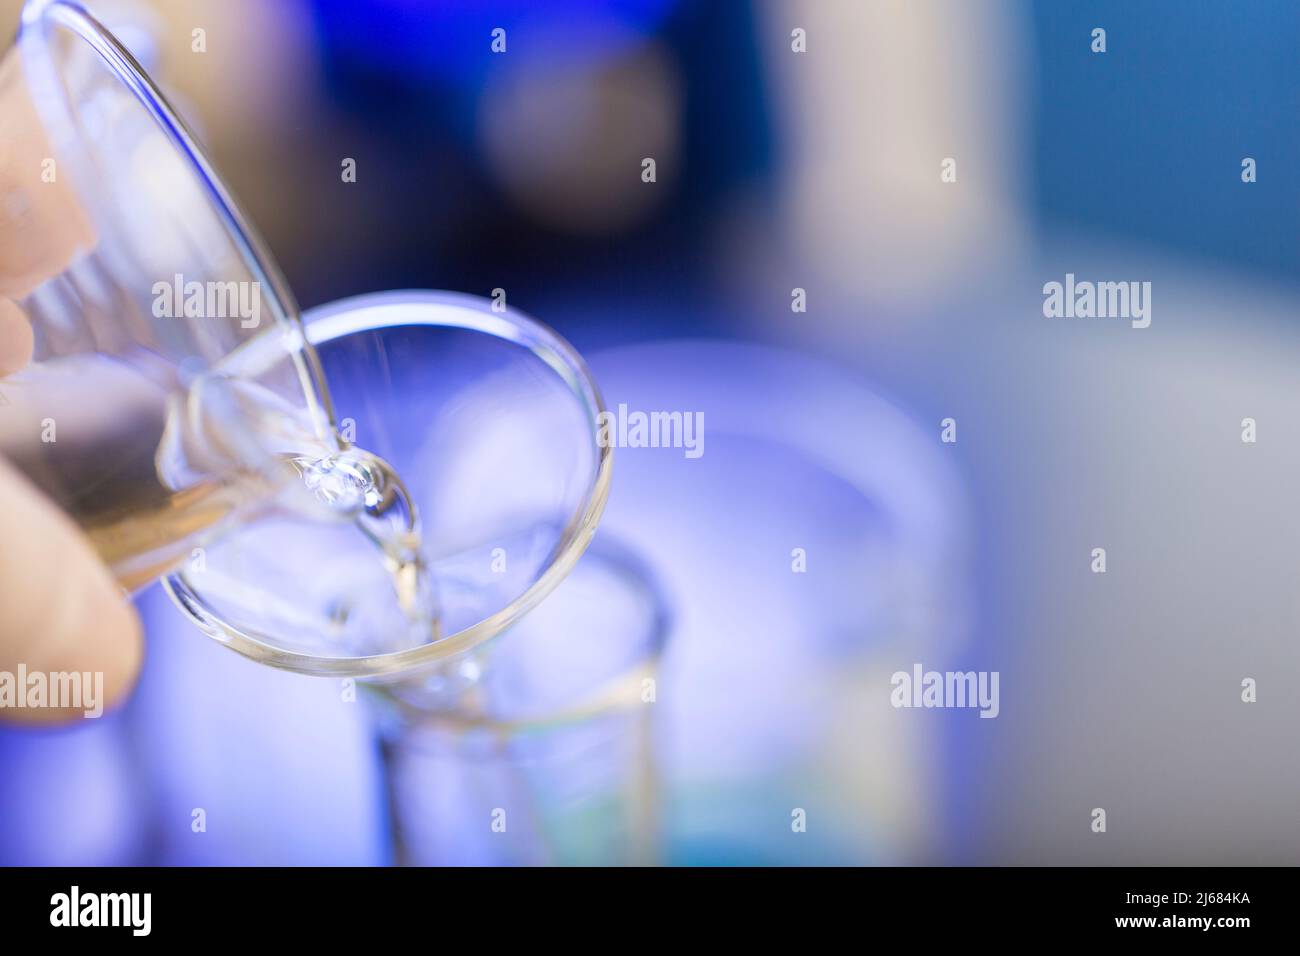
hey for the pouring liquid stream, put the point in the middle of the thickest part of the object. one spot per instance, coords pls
(358, 483)
(321, 481)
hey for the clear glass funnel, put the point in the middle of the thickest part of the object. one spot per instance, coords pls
(491, 420)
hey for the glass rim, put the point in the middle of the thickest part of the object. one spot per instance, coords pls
(383, 310)
(613, 694)
(39, 18)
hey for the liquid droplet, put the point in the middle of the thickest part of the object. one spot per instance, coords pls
(347, 482)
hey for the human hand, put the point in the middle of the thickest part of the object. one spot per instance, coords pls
(60, 609)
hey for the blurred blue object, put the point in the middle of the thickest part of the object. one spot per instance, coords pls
(282, 768)
(818, 541)
(71, 797)
(1146, 140)
(415, 38)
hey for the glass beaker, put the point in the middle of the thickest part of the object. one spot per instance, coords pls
(141, 284)
(521, 735)
(552, 758)
(171, 394)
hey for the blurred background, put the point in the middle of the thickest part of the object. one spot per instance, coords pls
(819, 171)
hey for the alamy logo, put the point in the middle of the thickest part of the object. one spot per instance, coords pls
(208, 300)
(63, 690)
(1100, 300)
(133, 910)
(624, 429)
(921, 688)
